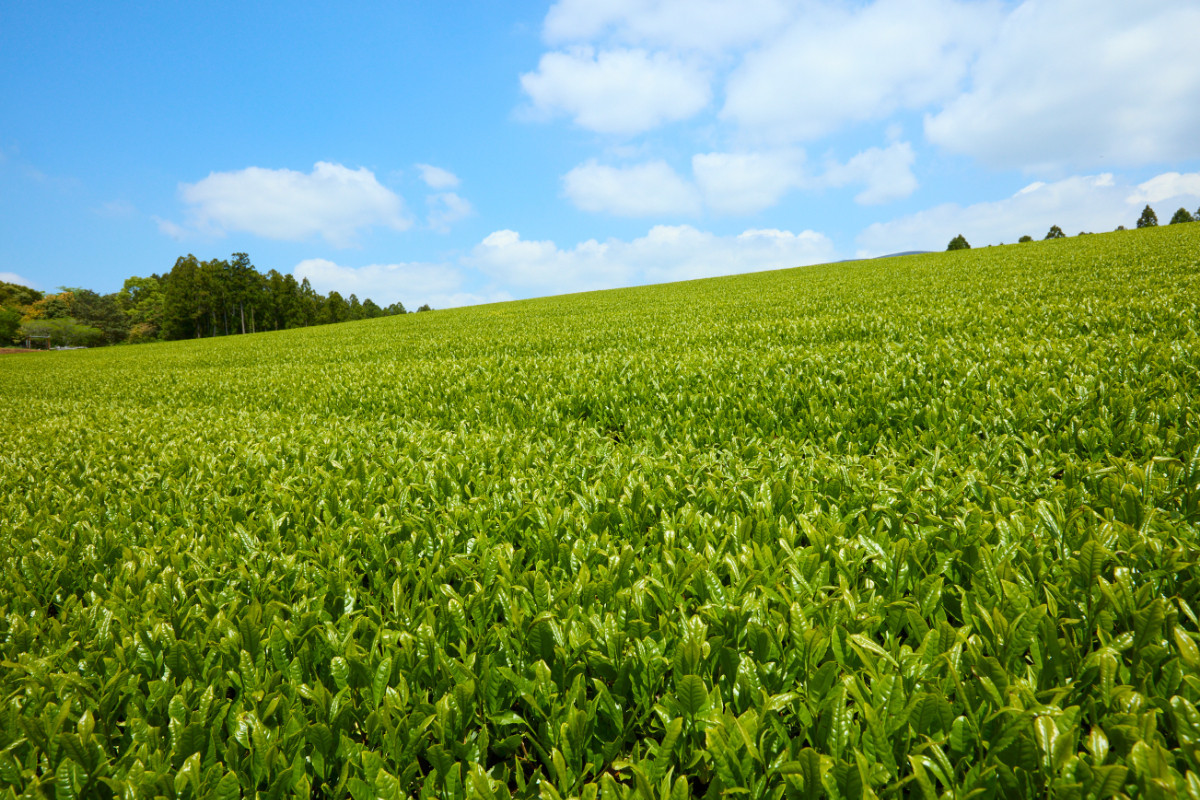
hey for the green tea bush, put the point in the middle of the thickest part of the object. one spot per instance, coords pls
(917, 527)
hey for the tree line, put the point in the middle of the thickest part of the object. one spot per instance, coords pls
(1148, 219)
(195, 299)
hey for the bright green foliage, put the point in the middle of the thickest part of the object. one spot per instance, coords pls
(10, 323)
(915, 527)
(62, 332)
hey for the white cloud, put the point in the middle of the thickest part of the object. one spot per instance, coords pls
(838, 64)
(736, 183)
(437, 178)
(650, 189)
(446, 208)
(703, 25)
(332, 201)
(1081, 203)
(745, 183)
(1167, 186)
(1082, 83)
(616, 91)
(413, 284)
(12, 277)
(886, 173)
(172, 229)
(665, 253)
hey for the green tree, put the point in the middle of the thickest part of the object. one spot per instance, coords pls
(1181, 215)
(335, 309)
(1055, 232)
(310, 304)
(1148, 219)
(63, 332)
(257, 299)
(184, 300)
(215, 290)
(1025, 238)
(10, 323)
(371, 309)
(425, 307)
(143, 301)
(957, 243)
(100, 311)
(355, 310)
(246, 292)
(52, 306)
(283, 301)
(395, 308)
(14, 295)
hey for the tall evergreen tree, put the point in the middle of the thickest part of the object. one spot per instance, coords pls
(310, 304)
(1148, 219)
(183, 306)
(355, 309)
(336, 308)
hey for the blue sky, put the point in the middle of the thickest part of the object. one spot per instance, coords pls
(463, 153)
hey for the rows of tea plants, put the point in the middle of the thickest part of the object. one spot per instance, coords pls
(919, 527)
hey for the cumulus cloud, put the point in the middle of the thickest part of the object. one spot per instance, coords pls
(616, 91)
(703, 25)
(446, 208)
(1167, 186)
(665, 253)
(437, 178)
(735, 183)
(838, 64)
(642, 190)
(439, 285)
(332, 201)
(1079, 203)
(885, 172)
(1046, 86)
(1083, 84)
(745, 183)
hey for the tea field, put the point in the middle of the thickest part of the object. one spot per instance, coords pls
(919, 527)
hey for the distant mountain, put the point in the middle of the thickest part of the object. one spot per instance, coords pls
(890, 255)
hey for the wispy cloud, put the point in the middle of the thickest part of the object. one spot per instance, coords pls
(445, 209)
(436, 177)
(12, 277)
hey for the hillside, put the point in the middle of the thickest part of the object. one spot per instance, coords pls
(886, 526)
